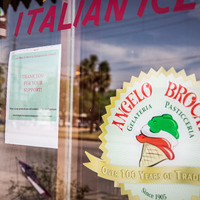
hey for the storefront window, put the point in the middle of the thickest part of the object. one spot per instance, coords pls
(61, 62)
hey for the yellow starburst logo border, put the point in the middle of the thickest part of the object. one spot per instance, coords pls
(117, 97)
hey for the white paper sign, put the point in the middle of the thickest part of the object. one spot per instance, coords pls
(32, 108)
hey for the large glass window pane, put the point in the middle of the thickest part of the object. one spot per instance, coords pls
(103, 44)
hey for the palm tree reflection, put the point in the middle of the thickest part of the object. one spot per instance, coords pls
(95, 79)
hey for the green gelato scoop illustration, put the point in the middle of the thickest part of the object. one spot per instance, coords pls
(165, 123)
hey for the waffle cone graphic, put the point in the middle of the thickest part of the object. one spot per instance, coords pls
(151, 155)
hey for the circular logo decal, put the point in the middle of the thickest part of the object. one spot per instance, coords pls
(151, 137)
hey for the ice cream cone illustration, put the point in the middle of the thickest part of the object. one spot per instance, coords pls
(151, 155)
(159, 137)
